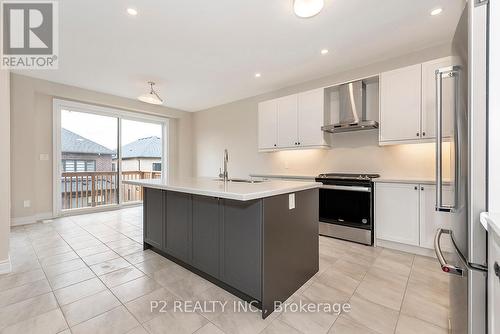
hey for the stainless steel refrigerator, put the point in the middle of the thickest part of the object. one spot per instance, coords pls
(465, 148)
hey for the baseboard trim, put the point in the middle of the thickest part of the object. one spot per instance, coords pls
(406, 248)
(5, 266)
(18, 221)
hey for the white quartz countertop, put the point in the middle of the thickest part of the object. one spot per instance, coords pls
(285, 176)
(491, 222)
(408, 180)
(231, 190)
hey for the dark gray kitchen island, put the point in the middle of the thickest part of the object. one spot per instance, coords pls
(258, 241)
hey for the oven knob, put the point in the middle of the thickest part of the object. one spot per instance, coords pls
(364, 221)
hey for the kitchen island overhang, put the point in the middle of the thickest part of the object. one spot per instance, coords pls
(259, 241)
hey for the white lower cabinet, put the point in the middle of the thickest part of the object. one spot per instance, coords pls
(430, 219)
(397, 212)
(405, 213)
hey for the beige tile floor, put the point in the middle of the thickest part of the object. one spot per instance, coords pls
(89, 274)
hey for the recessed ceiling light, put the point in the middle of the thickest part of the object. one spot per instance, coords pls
(324, 51)
(307, 8)
(132, 11)
(436, 11)
(257, 75)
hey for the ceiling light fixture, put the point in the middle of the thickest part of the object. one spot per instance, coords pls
(152, 97)
(132, 11)
(307, 8)
(324, 51)
(258, 75)
(436, 11)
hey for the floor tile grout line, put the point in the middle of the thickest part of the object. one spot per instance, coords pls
(30, 296)
(404, 294)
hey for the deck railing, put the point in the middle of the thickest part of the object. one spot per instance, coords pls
(90, 189)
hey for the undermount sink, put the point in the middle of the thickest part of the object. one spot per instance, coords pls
(241, 180)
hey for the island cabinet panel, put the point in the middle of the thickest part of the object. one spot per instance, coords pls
(178, 225)
(206, 234)
(290, 249)
(153, 217)
(241, 246)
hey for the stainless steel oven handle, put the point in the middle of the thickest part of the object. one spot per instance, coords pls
(447, 268)
(348, 188)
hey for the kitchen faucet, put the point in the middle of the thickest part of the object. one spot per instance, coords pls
(224, 175)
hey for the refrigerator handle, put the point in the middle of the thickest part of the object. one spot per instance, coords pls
(448, 268)
(450, 71)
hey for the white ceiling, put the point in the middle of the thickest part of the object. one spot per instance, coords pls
(205, 53)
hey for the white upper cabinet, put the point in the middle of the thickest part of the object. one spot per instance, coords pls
(268, 118)
(429, 97)
(397, 212)
(400, 104)
(311, 117)
(408, 103)
(287, 121)
(292, 121)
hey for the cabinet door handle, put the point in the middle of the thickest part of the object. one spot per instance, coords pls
(423, 134)
(416, 188)
(418, 134)
(496, 268)
(422, 188)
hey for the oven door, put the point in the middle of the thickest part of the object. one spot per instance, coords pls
(348, 205)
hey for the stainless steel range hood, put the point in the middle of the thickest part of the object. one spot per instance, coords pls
(352, 109)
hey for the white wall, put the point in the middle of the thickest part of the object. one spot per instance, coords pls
(4, 170)
(31, 135)
(234, 126)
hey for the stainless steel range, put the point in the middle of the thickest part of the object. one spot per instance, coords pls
(346, 206)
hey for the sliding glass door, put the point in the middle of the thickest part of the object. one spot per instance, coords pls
(97, 148)
(141, 155)
(88, 148)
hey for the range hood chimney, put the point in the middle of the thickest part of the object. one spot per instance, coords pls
(352, 109)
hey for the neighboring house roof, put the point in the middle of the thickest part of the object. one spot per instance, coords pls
(73, 143)
(149, 147)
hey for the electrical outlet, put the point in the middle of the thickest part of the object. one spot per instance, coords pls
(44, 157)
(27, 203)
(291, 201)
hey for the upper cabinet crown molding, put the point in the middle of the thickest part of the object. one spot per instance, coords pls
(408, 103)
(293, 121)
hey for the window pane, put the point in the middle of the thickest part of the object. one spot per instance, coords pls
(157, 166)
(90, 166)
(69, 165)
(80, 166)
